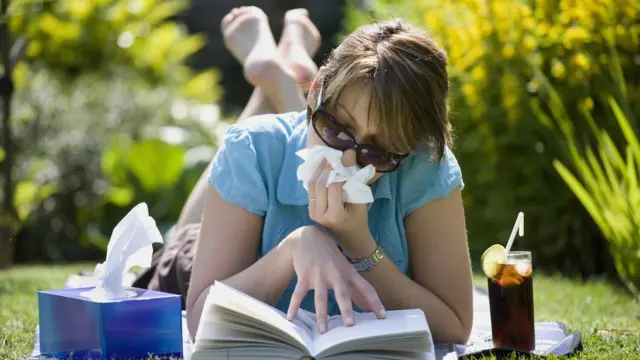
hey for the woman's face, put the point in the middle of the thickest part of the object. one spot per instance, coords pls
(352, 112)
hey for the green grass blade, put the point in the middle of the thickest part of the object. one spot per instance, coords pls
(583, 195)
(625, 127)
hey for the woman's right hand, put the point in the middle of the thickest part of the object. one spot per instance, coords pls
(319, 266)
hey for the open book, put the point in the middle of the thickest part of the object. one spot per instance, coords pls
(234, 325)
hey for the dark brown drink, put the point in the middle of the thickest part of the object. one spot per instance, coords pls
(511, 305)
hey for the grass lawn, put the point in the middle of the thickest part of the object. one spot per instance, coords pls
(587, 307)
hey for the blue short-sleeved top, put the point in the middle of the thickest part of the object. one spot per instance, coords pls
(255, 168)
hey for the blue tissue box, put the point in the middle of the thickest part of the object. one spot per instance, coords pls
(77, 327)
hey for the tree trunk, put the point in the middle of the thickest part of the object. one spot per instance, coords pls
(8, 216)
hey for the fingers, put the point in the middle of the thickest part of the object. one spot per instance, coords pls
(343, 298)
(335, 205)
(314, 179)
(296, 299)
(321, 305)
(312, 189)
(369, 294)
(321, 191)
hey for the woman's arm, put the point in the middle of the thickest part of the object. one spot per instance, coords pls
(439, 260)
(227, 250)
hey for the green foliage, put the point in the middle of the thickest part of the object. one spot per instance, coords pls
(504, 149)
(92, 148)
(75, 36)
(105, 115)
(605, 181)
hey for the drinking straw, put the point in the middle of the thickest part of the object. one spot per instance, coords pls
(518, 226)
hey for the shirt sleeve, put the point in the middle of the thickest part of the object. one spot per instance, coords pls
(423, 180)
(236, 173)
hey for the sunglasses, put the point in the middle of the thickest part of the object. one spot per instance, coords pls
(336, 136)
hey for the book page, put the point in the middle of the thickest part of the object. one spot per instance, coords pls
(234, 300)
(366, 326)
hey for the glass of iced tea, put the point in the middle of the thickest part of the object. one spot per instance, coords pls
(511, 301)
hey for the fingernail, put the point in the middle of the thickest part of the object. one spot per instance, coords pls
(289, 316)
(349, 321)
(383, 312)
(323, 328)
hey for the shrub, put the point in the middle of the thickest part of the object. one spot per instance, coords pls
(605, 180)
(505, 151)
(93, 147)
(100, 78)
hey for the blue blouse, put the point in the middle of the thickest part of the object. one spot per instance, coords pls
(255, 168)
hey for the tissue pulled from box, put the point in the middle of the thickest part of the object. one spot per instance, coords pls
(131, 244)
(355, 189)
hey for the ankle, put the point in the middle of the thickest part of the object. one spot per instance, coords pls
(284, 92)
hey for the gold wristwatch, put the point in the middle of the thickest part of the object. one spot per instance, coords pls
(366, 264)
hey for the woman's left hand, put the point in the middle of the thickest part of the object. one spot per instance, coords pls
(327, 208)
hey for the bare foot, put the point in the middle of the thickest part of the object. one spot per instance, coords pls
(299, 42)
(248, 37)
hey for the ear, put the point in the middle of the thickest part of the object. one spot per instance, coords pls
(314, 89)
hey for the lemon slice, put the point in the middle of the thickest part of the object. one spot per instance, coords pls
(493, 256)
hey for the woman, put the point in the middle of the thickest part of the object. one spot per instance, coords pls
(381, 98)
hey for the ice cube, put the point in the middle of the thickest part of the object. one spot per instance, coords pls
(524, 268)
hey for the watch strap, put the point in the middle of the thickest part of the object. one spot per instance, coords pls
(366, 264)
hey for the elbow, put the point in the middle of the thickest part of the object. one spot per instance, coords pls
(463, 332)
(462, 336)
(465, 319)
(193, 312)
(456, 334)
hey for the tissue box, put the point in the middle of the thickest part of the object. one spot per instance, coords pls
(77, 327)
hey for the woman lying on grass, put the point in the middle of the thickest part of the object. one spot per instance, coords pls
(381, 98)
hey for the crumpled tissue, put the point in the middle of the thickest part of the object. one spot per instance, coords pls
(355, 189)
(131, 244)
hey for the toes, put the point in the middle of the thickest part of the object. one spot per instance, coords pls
(227, 19)
(296, 13)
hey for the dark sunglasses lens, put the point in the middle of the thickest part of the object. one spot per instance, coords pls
(333, 134)
(378, 158)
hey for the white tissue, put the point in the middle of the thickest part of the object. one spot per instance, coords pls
(130, 245)
(355, 189)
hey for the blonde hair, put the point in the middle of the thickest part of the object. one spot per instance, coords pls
(406, 75)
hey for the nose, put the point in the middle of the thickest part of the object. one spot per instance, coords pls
(349, 158)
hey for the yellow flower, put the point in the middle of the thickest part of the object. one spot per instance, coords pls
(582, 61)
(529, 23)
(509, 99)
(575, 35)
(533, 86)
(487, 28)
(80, 9)
(478, 73)
(588, 103)
(34, 49)
(508, 51)
(542, 29)
(554, 33)
(470, 93)
(530, 42)
(557, 69)
(620, 30)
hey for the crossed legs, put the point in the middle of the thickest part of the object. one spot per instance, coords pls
(280, 73)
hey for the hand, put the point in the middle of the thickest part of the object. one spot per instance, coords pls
(327, 208)
(319, 266)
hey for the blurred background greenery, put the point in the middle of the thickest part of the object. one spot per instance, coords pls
(119, 101)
